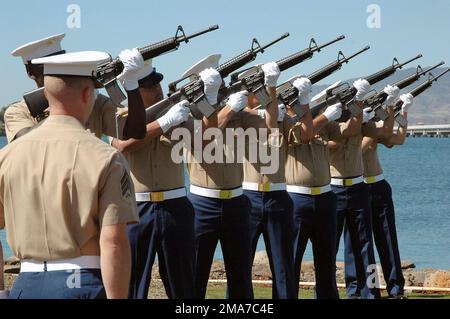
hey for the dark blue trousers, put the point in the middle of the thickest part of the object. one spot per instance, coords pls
(354, 218)
(315, 219)
(167, 229)
(226, 220)
(70, 284)
(385, 235)
(271, 215)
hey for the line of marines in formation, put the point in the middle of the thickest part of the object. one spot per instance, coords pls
(74, 205)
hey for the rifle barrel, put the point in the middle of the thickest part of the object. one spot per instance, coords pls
(283, 36)
(304, 54)
(339, 38)
(196, 34)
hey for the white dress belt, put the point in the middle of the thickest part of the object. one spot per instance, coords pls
(161, 196)
(373, 179)
(308, 190)
(82, 262)
(347, 182)
(264, 187)
(216, 193)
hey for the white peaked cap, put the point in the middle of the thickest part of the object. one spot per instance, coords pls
(78, 63)
(39, 48)
(288, 83)
(211, 61)
(146, 70)
(320, 97)
(248, 71)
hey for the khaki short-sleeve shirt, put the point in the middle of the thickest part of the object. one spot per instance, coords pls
(17, 118)
(228, 174)
(309, 164)
(59, 185)
(273, 153)
(371, 162)
(346, 158)
(103, 119)
(153, 169)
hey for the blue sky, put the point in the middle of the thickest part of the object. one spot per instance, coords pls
(407, 28)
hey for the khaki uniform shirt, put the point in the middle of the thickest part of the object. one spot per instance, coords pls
(346, 158)
(222, 175)
(152, 168)
(252, 166)
(372, 166)
(17, 118)
(101, 121)
(308, 165)
(58, 186)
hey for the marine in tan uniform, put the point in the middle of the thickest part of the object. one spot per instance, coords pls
(382, 205)
(314, 204)
(103, 119)
(221, 210)
(70, 231)
(271, 213)
(167, 217)
(353, 210)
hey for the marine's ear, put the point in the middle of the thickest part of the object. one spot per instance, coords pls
(86, 94)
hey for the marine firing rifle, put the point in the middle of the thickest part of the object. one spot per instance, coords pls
(345, 93)
(252, 79)
(107, 72)
(399, 118)
(193, 91)
(288, 94)
(376, 101)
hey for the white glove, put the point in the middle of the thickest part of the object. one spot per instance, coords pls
(238, 101)
(211, 84)
(271, 74)
(303, 86)
(393, 93)
(132, 62)
(408, 101)
(4, 294)
(281, 112)
(363, 87)
(177, 114)
(368, 114)
(333, 112)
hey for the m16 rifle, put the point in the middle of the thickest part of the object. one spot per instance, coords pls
(107, 72)
(252, 79)
(345, 93)
(193, 91)
(376, 101)
(399, 118)
(288, 94)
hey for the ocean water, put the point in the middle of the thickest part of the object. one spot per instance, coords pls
(419, 173)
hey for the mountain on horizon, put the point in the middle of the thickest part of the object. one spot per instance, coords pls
(430, 107)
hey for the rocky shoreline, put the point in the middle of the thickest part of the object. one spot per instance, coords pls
(427, 277)
(418, 278)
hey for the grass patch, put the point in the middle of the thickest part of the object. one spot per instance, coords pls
(218, 291)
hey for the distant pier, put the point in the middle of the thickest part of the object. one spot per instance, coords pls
(442, 130)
